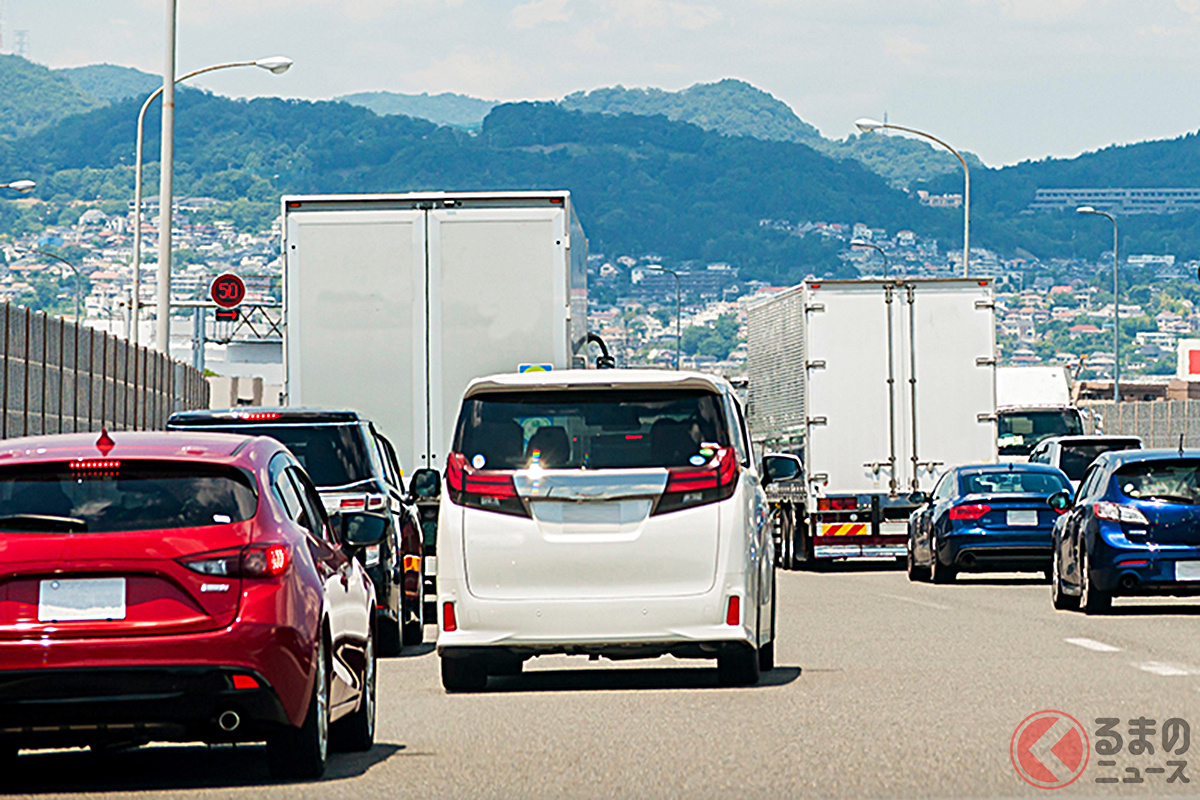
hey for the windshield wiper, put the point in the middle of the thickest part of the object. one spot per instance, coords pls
(42, 523)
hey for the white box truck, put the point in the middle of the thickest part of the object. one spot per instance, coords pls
(878, 386)
(393, 303)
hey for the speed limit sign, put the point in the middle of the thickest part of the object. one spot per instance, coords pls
(228, 290)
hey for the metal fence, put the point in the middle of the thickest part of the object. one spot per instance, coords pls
(59, 377)
(1158, 423)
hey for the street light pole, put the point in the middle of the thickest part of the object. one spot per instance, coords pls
(678, 313)
(877, 248)
(276, 65)
(1116, 302)
(162, 339)
(868, 125)
(75, 269)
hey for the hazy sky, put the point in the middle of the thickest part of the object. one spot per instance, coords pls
(1007, 79)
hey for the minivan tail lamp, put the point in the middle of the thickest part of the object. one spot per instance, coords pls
(688, 487)
(486, 490)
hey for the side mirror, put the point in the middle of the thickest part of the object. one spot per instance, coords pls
(425, 484)
(918, 498)
(778, 467)
(1059, 501)
(358, 530)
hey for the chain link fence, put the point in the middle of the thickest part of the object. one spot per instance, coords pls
(59, 377)
(1158, 423)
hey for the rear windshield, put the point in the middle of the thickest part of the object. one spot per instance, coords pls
(332, 455)
(1012, 483)
(1076, 458)
(1171, 481)
(1019, 431)
(123, 496)
(591, 429)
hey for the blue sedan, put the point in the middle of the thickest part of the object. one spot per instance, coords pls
(985, 517)
(1134, 530)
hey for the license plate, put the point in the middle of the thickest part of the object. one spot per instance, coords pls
(71, 600)
(1022, 518)
(1187, 570)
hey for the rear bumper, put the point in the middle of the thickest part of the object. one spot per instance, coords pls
(998, 550)
(1117, 569)
(73, 707)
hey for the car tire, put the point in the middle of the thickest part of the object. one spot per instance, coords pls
(766, 653)
(300, 753)
(390, 638)
(738, 667)
(915, 573)
(1091, 599)
(463, 674)
(939, 572)
(356, 732)
(1061, 600)
(414, 629)
(787, 538)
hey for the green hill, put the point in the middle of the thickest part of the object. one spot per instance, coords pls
(35, 97)
(109, 82)
(458, 110)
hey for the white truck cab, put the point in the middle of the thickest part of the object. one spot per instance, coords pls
(612, 513)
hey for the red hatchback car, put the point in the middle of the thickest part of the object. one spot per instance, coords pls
(180, 587)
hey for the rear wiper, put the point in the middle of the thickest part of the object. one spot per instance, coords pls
(42, 523)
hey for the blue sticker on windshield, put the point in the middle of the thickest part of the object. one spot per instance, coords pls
(697, 460)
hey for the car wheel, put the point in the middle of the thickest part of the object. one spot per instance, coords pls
(390, 638)
(939, 572)
(1062, 601)
(357, 731)
(463, 674)
(297, 753)
(766, 653)
(915, 573)
(738, 667)
(1091, 599)
(414, 629)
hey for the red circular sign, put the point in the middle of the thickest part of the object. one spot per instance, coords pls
(1049, 749)
(228, 290)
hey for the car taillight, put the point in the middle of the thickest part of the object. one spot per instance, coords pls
(733, 612)
(1115, 512)
(449, 623)
(969, 511)
(488, 490)
(837, 503)
(254, 561)
(688, 487)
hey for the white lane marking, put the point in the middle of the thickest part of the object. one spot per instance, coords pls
(1164, 670)
(1092, 644)
(916, 602)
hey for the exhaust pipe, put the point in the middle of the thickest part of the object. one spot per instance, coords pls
(968, 560)
(229, 721)
(1128, 581)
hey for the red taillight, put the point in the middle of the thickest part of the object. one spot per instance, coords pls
(843, 503)
(489, 490)
(255, 561)
(969, 511)
(256, 416)
(96, 466)
(733, 614)
(244, 682)
(1139, 563)
(353, 502)
(449, 623)
(688, 487)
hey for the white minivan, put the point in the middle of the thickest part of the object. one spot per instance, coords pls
(613, 513)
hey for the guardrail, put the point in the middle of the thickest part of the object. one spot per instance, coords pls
(60, 377)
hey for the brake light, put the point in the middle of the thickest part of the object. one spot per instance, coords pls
(449, 623)
(1115, 512)
(969, 511)
(687, 486)
(488, 490)
(96, 466)
(1140, 563)
(353, 502)
(254, 561)
(256, 416)
(244, 682)
(849, 503)
(733, 614)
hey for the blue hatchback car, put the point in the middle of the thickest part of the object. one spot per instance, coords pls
(1134, 529)
(985, 517)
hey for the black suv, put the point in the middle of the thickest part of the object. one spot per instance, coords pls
(354, 469)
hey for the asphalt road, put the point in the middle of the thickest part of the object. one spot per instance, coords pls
(884, 688)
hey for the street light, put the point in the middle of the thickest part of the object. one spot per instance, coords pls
(868, 125)
(75, 269)
(860, 243)
(678, 338)
(21, 186)
(1116, 303)
(276, 65)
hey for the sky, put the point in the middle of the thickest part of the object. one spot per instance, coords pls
(1009, 80)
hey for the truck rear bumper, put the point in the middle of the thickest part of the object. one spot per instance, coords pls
(859, 546)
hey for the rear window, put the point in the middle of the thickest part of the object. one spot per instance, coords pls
(1013, 482)
(1019, 431)
(1076, 458)
(591, 429)
(1171, 481)
(332, 455)
(103, 496)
